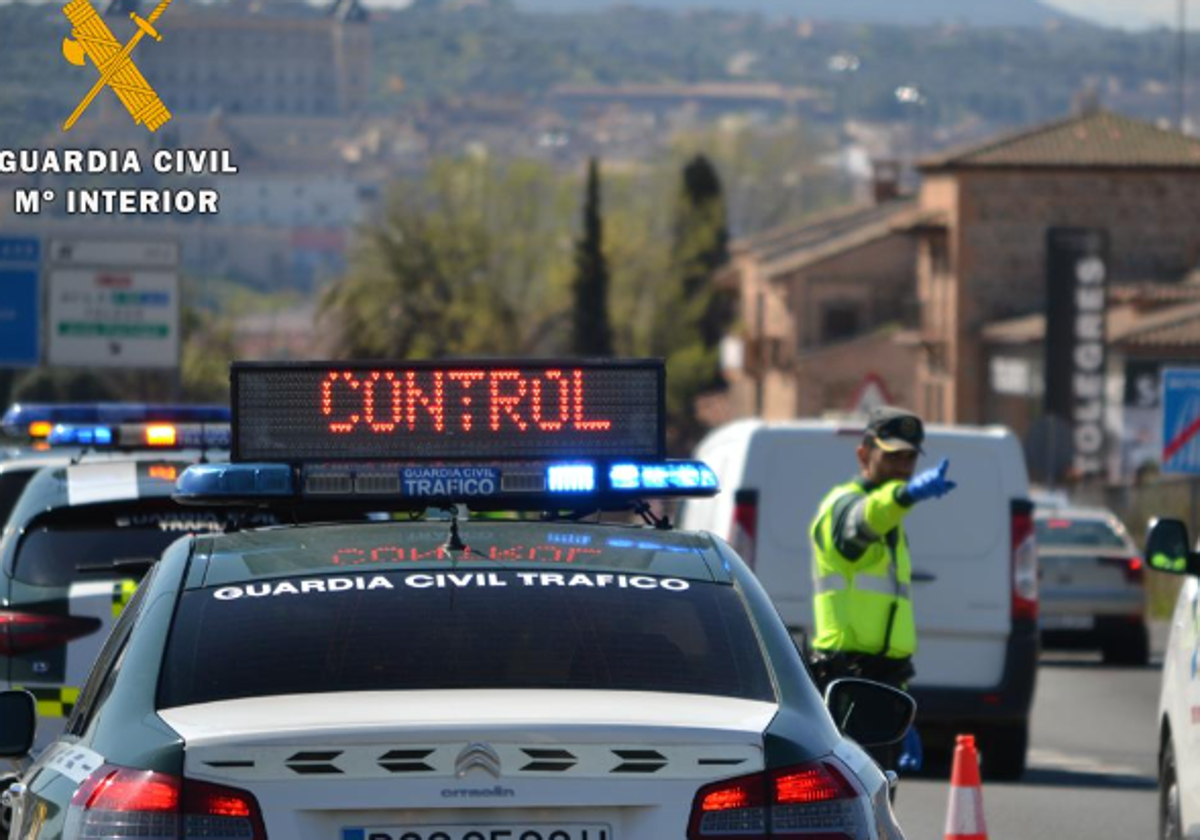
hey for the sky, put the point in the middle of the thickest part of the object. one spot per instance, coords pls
(1130, 13)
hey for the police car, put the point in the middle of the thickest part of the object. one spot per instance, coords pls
(58, 434)
(544, 677)
(80, 535)
(1167, 550)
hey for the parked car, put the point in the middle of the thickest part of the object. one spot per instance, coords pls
(974, 563)
(1093, 587)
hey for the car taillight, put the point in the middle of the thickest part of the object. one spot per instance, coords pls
(743, 531)
(116, 803)
(28, 632)
(1024, 562)
(1133, 567)
(814, 801)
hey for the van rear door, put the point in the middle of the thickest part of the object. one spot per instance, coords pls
(960, 544)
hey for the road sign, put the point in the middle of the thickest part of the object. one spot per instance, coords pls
(111, 317)
(1181, 420)
(871, 393)
(20, 301)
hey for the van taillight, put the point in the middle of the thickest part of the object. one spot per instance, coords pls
(1024, 562)
(115, 803)
(743, 531)
(813, 801)
(30, 632)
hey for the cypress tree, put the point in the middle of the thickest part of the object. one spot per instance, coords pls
(592, 335)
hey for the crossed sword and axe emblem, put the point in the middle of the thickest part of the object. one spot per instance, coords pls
(91, 38)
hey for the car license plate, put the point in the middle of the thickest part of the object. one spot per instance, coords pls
(589, 831)
(1068, 622)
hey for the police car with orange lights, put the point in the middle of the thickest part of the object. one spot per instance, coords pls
(82, 529)
(522, 649)
(57, 434)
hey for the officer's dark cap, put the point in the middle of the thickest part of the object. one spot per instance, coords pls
(895, 429)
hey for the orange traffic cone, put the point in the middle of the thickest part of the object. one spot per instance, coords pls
(964, 819)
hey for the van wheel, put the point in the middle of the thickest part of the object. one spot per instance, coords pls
(1170, 824)
(1003, 748)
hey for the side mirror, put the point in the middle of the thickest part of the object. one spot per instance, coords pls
(871, 713)
(1168, 548)
(18, 722)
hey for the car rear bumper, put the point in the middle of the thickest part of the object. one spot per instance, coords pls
(1008, 700)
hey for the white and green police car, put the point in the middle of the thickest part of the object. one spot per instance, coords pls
(1168, 550)
(91, 515)
(542, 676)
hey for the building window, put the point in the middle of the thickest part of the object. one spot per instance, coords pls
(839, 321)
(939, 256)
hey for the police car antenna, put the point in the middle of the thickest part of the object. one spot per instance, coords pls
(662, 523)
(454, 542)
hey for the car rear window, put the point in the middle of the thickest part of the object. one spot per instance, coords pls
(12, 484)
(468, 629)
(1084, 533)
(96, 542)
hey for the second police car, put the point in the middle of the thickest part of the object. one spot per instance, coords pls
(1168, 549)
(429, 678)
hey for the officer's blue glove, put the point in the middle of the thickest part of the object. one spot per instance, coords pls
(931, 484)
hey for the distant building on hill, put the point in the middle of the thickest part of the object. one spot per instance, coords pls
(272, 58)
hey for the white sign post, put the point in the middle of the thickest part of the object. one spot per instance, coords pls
(113, 306)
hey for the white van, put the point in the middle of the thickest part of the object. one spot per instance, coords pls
(974, 562)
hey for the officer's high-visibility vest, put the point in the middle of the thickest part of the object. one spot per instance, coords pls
(854, 599)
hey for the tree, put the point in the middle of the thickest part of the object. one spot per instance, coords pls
(592, 334)
(470, 260)
(693, 313)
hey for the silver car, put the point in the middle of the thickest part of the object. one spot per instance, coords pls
(1092, 584)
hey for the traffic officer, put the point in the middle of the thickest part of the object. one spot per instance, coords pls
(861, 569)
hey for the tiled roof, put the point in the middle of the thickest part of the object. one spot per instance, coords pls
(1125, 324)
(1101, 139)
(790, 247)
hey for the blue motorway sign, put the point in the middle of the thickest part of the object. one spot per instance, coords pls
(1181, 420)
(20, 301)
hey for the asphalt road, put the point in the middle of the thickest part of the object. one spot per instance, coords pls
(1092, 762)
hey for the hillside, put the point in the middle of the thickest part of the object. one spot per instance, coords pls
(911, 13)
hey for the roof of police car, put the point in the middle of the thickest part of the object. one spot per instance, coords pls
(494, 545)
(131, 477)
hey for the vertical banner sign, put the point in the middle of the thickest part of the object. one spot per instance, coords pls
(20, 301)
(1076, 286)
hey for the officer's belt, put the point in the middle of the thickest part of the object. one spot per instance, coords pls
(834, 582)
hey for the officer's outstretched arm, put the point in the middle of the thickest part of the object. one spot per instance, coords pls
(859, 521)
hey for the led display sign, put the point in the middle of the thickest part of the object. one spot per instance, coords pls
(448, 411)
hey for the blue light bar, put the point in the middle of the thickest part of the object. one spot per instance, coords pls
(480, 485)
(20, 416)
(571, 478)
(62, 435)
(235, 481)
(666, 476)
(128, 436)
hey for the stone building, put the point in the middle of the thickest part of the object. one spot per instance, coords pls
(984, 215)
(825, 304)
(279, 59)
